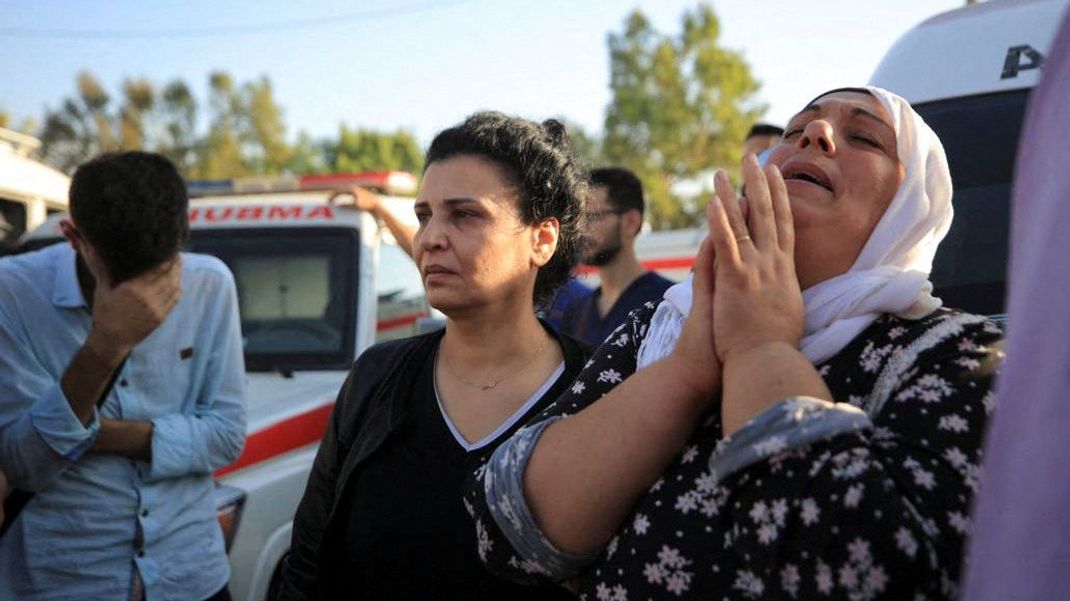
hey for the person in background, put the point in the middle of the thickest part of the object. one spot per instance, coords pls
(1018, 544)
(366, 200)
(573, 291)
(614, 218)
(122, 382)
(761, 137)
(800, 419)
(500, 210)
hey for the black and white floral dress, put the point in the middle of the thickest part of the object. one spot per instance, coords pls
(873, 506)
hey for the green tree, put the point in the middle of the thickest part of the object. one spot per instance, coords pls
(86, 124)
(247, 133)
(309, 155)
(680, 106)
(139, 98)
(586, 146)
(26, 125)
(220, 154)
(368, 150)
(264, 131)
(178, 118)
(81, 128)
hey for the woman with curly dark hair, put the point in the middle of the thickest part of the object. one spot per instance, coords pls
(383, 516)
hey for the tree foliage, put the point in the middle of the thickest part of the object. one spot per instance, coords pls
(680, 106)
(367, 150)
(177, 114)
(220, 153)
(239, 130)
(586, 146)
(26, 125)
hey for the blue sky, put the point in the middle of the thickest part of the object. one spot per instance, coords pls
(420, 64)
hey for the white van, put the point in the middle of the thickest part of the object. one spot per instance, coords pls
(317, 284)
(29, 189)
(969, 72)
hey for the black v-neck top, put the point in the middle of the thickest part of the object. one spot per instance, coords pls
(406, 532)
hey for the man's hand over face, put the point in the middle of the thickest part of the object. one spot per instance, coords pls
(125, 314)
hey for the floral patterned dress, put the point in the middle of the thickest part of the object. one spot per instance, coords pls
(877, 510)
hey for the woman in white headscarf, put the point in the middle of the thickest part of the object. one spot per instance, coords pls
(800, 420)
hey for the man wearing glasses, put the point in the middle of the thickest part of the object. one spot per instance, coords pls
(614, 218)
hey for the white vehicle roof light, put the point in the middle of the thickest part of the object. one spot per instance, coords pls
(397, 183)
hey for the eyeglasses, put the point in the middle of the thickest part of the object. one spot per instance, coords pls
(596, 215)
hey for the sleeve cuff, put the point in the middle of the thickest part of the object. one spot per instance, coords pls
(172, 452)
(504, 488)
(790, 424)
(62, 431)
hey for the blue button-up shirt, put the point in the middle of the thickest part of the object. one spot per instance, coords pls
(96, 518)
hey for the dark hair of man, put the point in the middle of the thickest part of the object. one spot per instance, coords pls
(623, 188)
(537, 158)
(765, 129)
(131, 207)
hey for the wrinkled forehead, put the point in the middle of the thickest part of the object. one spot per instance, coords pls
(855, 100)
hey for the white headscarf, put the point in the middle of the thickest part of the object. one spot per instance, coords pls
(891, 274)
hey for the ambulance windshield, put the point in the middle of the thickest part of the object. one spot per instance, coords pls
(296, 293)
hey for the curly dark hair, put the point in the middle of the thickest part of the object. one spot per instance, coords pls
(537, 158)
(131, 207)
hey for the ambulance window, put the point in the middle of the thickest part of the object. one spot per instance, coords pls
(296, 293)
(400, 294)
(980, 135)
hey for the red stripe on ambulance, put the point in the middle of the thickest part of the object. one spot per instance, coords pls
(285, 436)
(397, 322)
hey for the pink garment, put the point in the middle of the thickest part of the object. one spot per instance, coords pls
(1020, 547)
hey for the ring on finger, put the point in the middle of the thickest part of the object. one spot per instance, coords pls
(742, 238)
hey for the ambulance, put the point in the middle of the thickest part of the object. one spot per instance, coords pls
(317, 284)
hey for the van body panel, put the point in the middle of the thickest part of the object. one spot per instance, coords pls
(983, 48)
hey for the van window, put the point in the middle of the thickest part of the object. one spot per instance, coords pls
(980, 135)
(296, 293)
(12, 221)
(400, 293)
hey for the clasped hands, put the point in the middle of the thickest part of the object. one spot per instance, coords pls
(746, 294)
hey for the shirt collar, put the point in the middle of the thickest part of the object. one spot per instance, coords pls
(65, 290)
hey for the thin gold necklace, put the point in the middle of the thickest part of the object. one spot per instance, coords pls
(495, 383)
